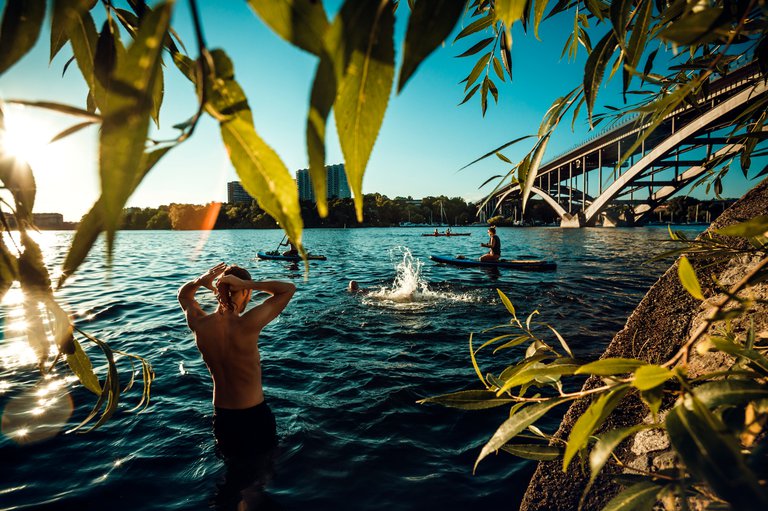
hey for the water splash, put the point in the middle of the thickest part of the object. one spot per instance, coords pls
(409, 290)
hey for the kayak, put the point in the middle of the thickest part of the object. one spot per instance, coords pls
(449, 235)
(276, 256)
(518, 264)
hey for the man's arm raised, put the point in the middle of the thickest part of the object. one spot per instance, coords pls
(259, 316)
(186, 294)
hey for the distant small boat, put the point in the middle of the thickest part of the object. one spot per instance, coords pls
(277, 256)
(448, 235)
(518, 264)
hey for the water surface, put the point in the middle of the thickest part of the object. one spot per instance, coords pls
(342, 372)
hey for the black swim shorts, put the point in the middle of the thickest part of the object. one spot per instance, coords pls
(244, 432)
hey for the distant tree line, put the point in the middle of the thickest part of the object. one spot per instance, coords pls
(379, 211)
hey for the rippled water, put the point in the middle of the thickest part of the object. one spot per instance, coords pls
(342, 371)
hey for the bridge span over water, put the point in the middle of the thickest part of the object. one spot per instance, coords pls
(584, 185)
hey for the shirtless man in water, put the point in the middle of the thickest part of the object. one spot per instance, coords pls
(228, 341)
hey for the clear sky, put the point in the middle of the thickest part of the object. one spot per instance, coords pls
(424, 139)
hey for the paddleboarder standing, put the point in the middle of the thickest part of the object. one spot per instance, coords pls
(494, 244)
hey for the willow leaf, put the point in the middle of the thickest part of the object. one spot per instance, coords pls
(476, 26)
(651, 376)
(711, 453)
(470, 400)
(431, 21)
(361, 41)
(509, 11)
(491, 153)
(590, 421)
(688, 278)
(65, 14)
(478, 68)
(320, 103)
(595, 68)
(475, 48)
(756, 226)
(302, 23)
(517, 424)
(81, 366)
(638, 497)
(610, 366)
(507, 303)
(606, 444)
(126, 116)
(639, 37)
(533, 168)
(19, 30)
(538, 13)
(538, 452)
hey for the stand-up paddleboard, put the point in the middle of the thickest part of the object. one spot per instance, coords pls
(519, 264)
(449, 235)
(276, 256)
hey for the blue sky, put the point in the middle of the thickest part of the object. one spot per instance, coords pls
(425, 137)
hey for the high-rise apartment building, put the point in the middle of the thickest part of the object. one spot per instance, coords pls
(236, 193)
(337, 186)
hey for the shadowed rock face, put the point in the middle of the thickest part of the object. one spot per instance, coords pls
(656, 330)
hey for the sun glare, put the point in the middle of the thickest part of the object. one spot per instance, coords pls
(26, 138)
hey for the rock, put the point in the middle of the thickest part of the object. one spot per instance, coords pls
(656, 330)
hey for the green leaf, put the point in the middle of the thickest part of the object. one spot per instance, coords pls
(507, 303)
(711, 453)
(509, 11)
(756, 226)
(65, 15)
(263, 175)
(533, 168)
(752, 355)
(691, 28)
(592, 418)
(480, 65)
(105, 60)
(539, 452)
(498, 70)
(17, 178)
(474, 362)
(718, 393)
(606, 443)
(470, 94)
(475, 48)
(516, 424)
(639, 37)
(595, 68)
(431, 21)
(19, 30)
(126, 116)
(638, 497)
(361, 42)
(611, 366)
(688, 278)
(538, 13)
(320, 103)
(650, 376)
(469, 400)
(58, 107)
(81, 366)
(302, 23)
(476, 26)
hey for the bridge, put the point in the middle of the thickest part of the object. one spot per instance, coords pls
(585, 187)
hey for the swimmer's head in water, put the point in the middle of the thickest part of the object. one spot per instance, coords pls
(234, 301)
(353, 286)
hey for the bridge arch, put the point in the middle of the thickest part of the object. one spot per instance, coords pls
(698, 124)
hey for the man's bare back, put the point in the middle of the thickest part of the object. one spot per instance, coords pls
(228, 338)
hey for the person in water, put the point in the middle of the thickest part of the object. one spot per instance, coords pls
(292, 251)
(494, 244)
(228, 339)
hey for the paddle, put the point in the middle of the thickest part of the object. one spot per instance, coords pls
(277, 250)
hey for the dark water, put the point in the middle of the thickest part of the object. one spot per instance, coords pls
(342, 372)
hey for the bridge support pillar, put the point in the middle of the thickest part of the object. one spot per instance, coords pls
(575, 220)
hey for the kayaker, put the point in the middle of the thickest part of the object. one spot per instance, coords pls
(448, 231)
(436, 233)
(293, 251)
(494, 244)
(243, 424)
